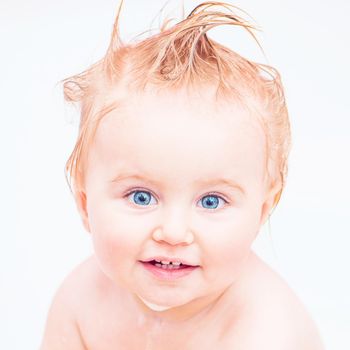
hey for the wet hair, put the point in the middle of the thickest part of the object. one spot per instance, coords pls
(181, 56)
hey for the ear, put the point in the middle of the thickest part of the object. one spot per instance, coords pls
(80, 200)
(271, 200)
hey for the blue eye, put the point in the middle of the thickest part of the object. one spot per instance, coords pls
(211, 201)
(144, 198)
(141, 197)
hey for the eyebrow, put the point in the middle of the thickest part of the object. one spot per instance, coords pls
(220, 181)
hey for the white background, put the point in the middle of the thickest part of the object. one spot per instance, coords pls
(42, 238)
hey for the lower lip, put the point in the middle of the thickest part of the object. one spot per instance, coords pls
(167, 274)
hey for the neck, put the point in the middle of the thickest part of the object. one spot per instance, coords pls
(194, 310)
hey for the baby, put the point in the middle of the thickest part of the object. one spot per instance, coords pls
(181, 157)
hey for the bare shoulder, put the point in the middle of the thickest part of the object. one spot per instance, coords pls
(62, 329)
(275, 317)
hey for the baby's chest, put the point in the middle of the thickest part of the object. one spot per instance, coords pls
(132, 339)
(113, 334)
(104, 335)
(111, 327)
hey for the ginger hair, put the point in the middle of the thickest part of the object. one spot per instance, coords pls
(176, 57)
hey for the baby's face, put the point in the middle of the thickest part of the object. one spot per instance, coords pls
(167, 177)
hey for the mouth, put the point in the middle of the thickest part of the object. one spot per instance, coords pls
(168, 265)
(168, 271)
(169, 262)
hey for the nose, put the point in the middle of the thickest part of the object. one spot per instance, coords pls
(174, 228)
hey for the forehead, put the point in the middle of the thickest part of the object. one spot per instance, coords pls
(173, 134)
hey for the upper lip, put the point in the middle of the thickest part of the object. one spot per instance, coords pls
(168, 258)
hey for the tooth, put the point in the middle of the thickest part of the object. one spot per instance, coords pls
(168, 267)
(176, 263)
(165, 262)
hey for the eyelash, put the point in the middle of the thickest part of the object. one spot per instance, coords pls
(147, 191)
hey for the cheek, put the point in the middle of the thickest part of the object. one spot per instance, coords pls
(117, 237)
(113, 239)
(228, 243)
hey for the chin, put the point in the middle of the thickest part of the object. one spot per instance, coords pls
(165, 299)
(156, 306)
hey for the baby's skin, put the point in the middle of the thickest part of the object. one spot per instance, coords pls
(180, 177)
